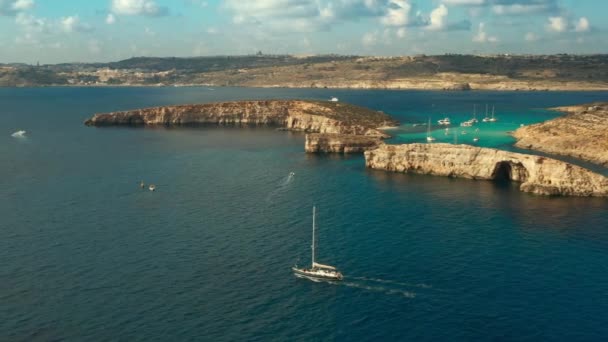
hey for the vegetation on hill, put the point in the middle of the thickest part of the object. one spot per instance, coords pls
(423, 72)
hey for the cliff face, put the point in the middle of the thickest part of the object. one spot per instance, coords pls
(340, 143)
(308, 116)
(539, 175)
(580, 134)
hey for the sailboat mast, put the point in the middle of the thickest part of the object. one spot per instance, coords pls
(313, 235)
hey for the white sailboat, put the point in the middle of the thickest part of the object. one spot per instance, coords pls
(493, 119)
(316, 270)
(474, 119)
(429, 138)
(486, 118)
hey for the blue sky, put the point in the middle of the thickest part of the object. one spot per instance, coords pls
(55, 31)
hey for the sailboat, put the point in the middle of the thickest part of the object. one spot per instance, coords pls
(429, 138)
(474, 119)
(486, 119)
(316, 270)
(493, 119)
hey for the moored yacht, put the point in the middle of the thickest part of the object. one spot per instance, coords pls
(429, 137)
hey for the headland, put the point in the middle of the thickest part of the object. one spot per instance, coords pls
(582, 133)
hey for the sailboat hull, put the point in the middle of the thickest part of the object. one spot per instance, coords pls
(318, 274)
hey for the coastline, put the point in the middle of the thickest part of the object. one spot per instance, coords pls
(579, 133)
(501, 88)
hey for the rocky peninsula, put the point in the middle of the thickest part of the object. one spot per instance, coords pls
(295, 115)
(582, 133)
(538, 175)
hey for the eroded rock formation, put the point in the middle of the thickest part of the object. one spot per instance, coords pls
(297, 115)
(539, 175)
(340, 143)
(583, 133)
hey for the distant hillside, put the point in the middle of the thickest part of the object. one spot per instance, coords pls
(457, 72)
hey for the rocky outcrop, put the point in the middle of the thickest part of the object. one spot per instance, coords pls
(536, 174)
(297, 115)
(581, 134)
(340, 143)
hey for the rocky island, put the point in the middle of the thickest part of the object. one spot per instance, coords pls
(538, 175)
(336, 127)
(582, 133)
(352, 127)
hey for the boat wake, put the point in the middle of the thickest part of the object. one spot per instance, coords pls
(380, 289)
(386, 281)
(282, 186)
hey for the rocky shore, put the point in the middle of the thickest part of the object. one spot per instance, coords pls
(295, 115)
(538, 175)
(582, 133)
(340, 143)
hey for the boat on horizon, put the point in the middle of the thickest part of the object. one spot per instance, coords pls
(316, 271)
(333, 99)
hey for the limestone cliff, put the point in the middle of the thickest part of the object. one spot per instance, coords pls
(298, 115)
(536, 174)
(583, 133)
(340, 143)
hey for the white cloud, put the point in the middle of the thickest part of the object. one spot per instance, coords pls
(438, 18)
(530, 37)
(138, 7)
(212, 30)
(13, 7)
(110, 19)
(482, 36)
(523, 9)
(22, 5)
(558, 24)
(32, 24)
(398, 13)
(510, 7)
(582, 25)
(464, 2)
(566, 24)
(73, 24)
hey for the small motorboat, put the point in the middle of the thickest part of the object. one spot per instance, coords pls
(334, 99)
(444, 121)
(18, 134)
(152, 187)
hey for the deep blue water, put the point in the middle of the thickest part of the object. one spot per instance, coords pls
(88, 255)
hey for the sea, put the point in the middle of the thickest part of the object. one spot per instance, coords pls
(86, 254)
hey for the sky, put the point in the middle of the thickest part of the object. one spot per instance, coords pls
(59, 31)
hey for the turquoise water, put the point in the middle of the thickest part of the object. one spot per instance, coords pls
(88, 255)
